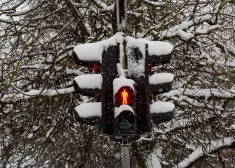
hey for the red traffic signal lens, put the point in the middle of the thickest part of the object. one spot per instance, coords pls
(96, 68)
(125, 95)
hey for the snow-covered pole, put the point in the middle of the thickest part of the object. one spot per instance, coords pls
(121, 17)
(125, 155)
(121, 8)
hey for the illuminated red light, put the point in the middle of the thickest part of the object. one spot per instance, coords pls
(124, 96)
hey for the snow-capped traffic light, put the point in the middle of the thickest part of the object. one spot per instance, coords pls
(142, 54)
(88, 84)
(102, 57)
(124, 107)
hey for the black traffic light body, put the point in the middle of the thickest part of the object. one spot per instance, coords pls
(101, 113)
(141, 55)
(88, 85)
(110, 58)
(126, 109)
(136, 59)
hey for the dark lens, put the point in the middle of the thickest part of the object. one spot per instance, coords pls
(126, 120)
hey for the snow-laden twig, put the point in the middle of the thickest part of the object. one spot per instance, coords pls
(207, 93)
(182, 30)
(200, 152)
(153, 161)
(27, 95)
(103, 6)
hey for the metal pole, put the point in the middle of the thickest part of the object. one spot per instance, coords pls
(125, 155)
(121, 8)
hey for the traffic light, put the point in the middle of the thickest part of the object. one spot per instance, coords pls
(102, 57)
(124, 106)
(88, 84)
(141, 55)
(124, 110)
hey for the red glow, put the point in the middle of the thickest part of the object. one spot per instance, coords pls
(96, 68)
(124, 95)
(150, 67)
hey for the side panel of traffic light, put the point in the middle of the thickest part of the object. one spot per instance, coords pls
(160, 82)
(137, 67)
(88, 113)
(142, 54)
(88, 84)
(109, 73)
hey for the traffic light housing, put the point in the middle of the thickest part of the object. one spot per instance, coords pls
(141, 55)
(124, 110)
(125, 107)
(102, 57)
(110, 58)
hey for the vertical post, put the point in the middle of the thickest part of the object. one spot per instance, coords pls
(121, 7)
(125, 155)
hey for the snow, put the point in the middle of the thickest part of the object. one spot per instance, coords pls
(26, 95)
(8, 130)
(172, 93)
(203, 150)
(136, 66)
(140, 43)
(161, 107)
(203, 30)
(153, 161)
(89, 81)
(94, 54)
(121, 71)
(154, 47)
(203, 92)
(74, 71)
(180, 29)
(93, 51)
(89, 109)
(159, 48)
(30, 135)
(122, 108)
(232, 126)
(120, 82)
(161, 78)
(104, 6)
(155, 3)
(49, 132)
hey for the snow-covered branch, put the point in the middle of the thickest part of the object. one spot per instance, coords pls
(204, 93)
(186, 29)
(32, 93)
(203, 151)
